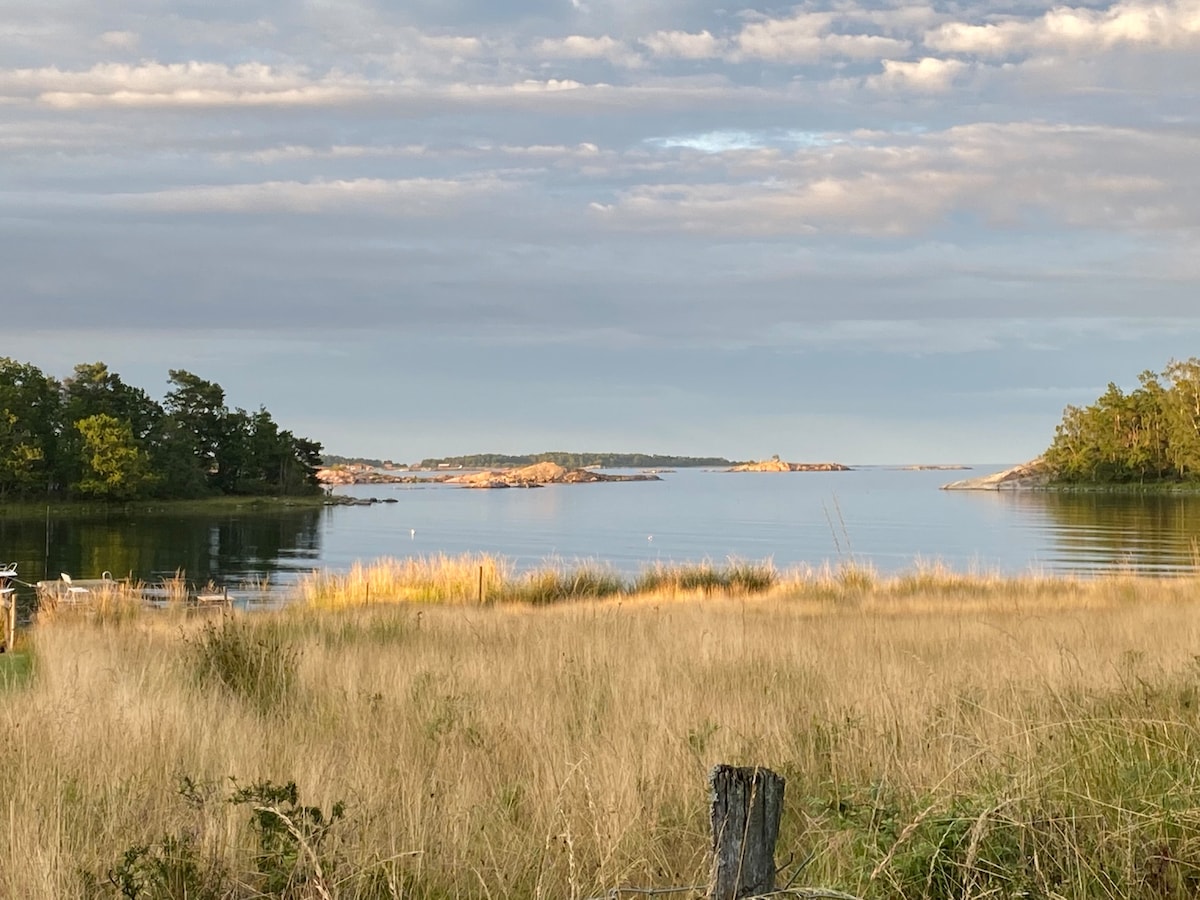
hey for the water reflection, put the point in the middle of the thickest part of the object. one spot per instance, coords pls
(1082, 532)
(261, 547)
(888, 519)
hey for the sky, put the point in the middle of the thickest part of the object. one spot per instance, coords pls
(869, 232)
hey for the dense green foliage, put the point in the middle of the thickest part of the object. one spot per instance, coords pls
(91, 436)
(574, 460)
(1149, 435)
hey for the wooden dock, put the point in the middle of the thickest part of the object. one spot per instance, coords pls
(67, 593)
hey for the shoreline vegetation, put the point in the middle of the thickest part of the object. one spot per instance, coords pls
(92, 438)
(228, 503)
(1147, 437)
(1144, 441)
(943, 735)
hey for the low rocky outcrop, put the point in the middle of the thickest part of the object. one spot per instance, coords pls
(778, 465)
(356, 474)
(537, 475)
(1027, 476)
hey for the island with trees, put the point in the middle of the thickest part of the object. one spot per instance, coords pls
(93, 437)
(1144, 439)
(1146, 436)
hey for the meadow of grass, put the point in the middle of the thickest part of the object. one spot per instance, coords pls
(942, 735)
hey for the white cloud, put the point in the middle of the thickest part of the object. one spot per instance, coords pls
(869, 204)
(1171, 25)
(928, 75)
(578, 46)
(539, 86)
(120, 40)
(308, 96)
(685, 45)
(808, 37)
(405, 198)
(456, 45)
(895, 185)
(175, 84)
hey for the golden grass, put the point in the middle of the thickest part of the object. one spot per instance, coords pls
(942, 736)
(441, 579)
(473, 578)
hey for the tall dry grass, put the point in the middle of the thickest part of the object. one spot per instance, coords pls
(942, 736)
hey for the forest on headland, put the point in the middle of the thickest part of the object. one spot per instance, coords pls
(92, 437)
(1150, 435)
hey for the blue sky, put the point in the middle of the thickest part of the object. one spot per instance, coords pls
(870, 232)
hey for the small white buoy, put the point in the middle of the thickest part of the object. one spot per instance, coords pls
(412, 533)
(649, 537)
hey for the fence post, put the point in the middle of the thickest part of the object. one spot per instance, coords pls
(746, 806)
(9, 611)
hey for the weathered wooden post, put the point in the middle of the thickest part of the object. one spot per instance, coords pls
(746, 806)
(8, 609)
(8, 604)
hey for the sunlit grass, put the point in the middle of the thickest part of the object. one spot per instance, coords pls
(491, 579)
(16, 668)
(944, 735)
(425, 579)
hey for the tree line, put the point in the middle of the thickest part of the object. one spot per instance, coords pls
(1150, 434)
(92, 436)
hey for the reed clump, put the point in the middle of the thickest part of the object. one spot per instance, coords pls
(559, 584)
(252, 661)
(942, 738)
(736, 577)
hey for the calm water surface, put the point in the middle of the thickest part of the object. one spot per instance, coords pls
(887, 517)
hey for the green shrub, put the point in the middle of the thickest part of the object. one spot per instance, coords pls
(289, 860)
(251, 661)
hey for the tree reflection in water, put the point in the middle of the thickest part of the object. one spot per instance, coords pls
(263, 548)
(1145, 533)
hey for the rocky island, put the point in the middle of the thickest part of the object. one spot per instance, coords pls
(537, 475)
(357, 473)
(775, 464)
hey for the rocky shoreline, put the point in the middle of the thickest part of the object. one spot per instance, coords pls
(334, 476)
(778, 465)
(537, 475)
(1027, 476)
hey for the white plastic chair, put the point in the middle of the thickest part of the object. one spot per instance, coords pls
(72, 588)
